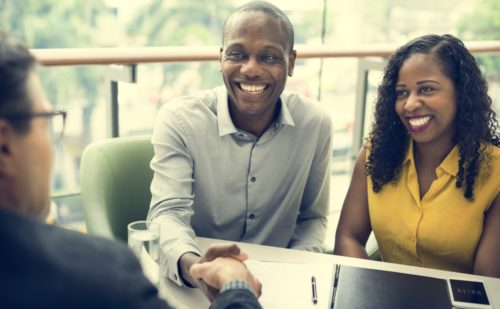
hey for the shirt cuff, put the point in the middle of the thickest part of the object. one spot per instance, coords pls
(172, 260)
(237, 285)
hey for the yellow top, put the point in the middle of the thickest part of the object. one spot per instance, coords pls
(441, 230)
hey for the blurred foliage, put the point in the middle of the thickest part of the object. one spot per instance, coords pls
(377, 15)
(307, 26)
(52, 24)
(483, 23)
(164, 23)
(198, 23)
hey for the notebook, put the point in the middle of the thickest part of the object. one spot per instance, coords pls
(358, 288)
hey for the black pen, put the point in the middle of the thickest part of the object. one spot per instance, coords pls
(335, 284)
(314, 291)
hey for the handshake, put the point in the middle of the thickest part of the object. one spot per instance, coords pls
(220, 265)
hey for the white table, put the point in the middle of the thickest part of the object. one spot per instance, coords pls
(192, 298)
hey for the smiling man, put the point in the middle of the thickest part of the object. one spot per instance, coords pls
(245, 162)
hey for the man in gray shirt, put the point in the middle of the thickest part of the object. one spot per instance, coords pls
(244, 162)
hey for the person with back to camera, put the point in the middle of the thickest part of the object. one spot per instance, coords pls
(245, 162)
(428, 180)
(45, 266)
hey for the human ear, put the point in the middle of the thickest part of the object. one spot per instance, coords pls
(291, 62)
(5, 147)
(5, 133)
(220, 58)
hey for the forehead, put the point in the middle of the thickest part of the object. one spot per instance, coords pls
(419, 66)
(256, 26)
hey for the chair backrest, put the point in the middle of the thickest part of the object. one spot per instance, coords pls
(115, 183)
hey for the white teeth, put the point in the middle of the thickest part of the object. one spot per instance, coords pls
(418, 122)
(256, 89)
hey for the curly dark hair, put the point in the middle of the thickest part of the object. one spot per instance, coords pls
(475, 124)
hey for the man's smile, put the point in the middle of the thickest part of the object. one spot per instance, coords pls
(252, 88)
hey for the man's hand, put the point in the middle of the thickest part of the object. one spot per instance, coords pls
(216, 273)
(189, 259)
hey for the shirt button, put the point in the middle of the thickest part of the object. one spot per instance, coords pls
(252, 216)
(175, 277)
(253, 179)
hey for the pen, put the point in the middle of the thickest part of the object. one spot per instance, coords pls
(335, 284)
(314, 291)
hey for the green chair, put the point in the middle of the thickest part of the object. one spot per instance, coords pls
(115, 178)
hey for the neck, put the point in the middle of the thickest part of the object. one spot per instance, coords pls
(8, 200)
(257, 124)
(13, 201)
(431, 154)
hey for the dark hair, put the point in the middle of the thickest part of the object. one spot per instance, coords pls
(475, 124)
(264, 7)
(16, 63)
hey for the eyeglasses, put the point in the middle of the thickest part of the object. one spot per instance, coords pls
(57, 121)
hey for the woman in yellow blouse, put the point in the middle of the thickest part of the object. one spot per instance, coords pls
(427, 182)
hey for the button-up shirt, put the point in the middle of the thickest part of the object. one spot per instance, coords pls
(214, 180)
(442, 229)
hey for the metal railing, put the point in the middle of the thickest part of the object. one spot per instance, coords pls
(136, 55)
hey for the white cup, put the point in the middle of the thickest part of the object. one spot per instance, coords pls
(144, 240)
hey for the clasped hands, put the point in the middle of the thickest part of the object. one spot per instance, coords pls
(220, 264)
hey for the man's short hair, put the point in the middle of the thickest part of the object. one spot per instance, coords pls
(264, 7)
(16, 63)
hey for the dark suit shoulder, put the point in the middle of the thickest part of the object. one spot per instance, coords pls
(57, 267)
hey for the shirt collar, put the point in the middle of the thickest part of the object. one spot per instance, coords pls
(449, 164)
(409, 153)
(225, 123)
(285, 117)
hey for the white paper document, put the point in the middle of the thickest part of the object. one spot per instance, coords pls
(288, 285)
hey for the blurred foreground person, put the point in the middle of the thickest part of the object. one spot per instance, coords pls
(45, 266)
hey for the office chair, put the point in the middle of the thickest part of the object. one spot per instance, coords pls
(115, 179)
